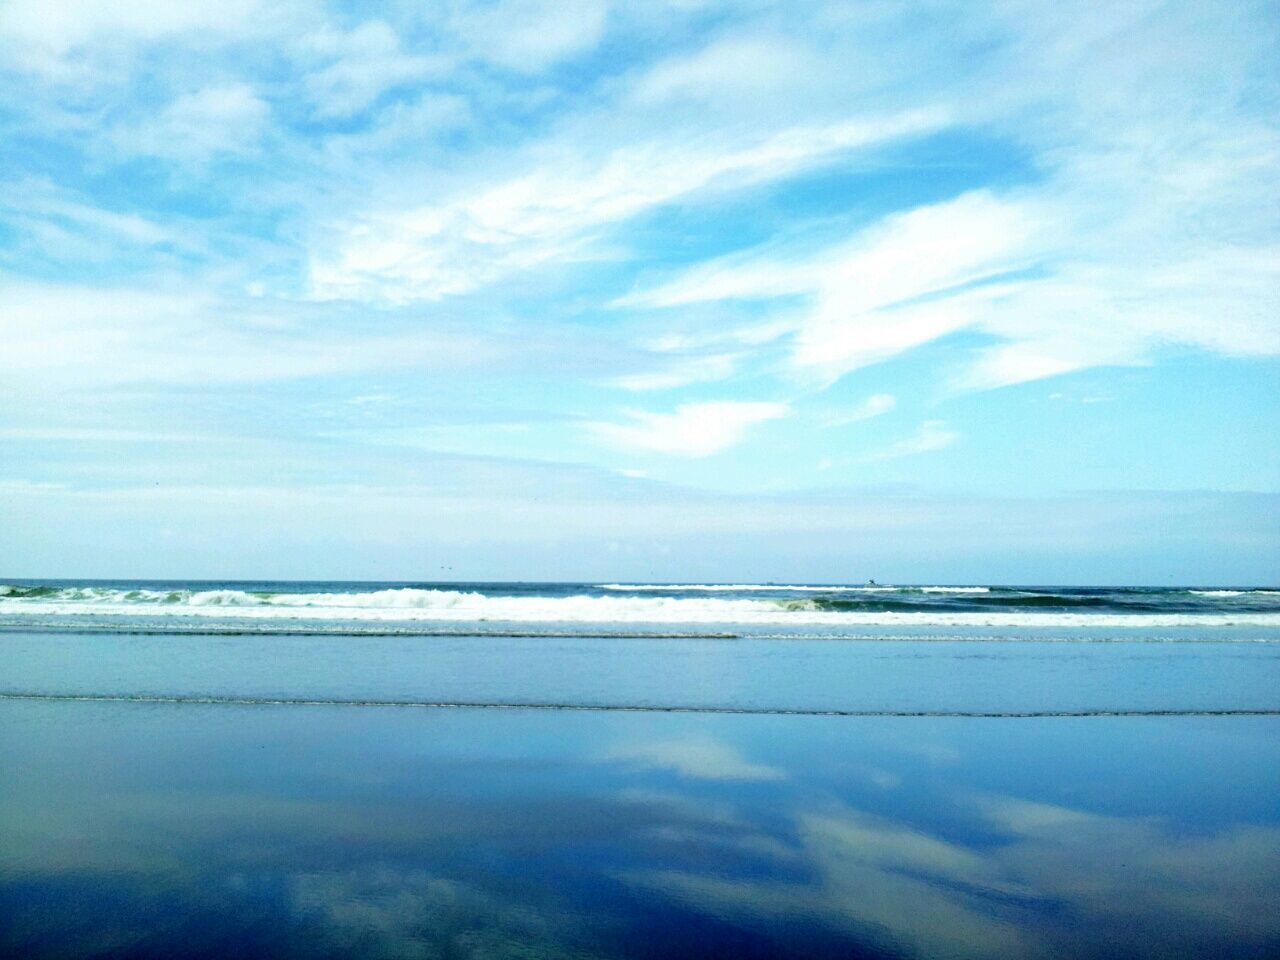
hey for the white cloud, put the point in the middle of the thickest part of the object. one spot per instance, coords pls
(935, 270)
(1151, 220)
(693, 430)
(42, 200)
(88, 53)
(96, 435)
(874, 406)
(549, 212)
(866, 294)
(697, 369)
(360, 65)
(530, 35)
(862, 312)
(224, 119)
(57, 225)
(732, 67)
(1226, 301)
(673, 342)
(932, 435)
(906, 255)
(59, 336)
(45, 32)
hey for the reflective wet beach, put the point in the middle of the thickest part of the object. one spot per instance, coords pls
(142, 829)
(1080, 673)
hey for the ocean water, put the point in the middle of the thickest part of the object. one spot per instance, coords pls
(834, 610)
(623, 770)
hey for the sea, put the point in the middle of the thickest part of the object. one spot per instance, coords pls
(419, 769)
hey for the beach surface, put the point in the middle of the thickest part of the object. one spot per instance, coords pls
(951, 772)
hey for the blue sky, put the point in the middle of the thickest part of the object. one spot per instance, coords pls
(538, 290)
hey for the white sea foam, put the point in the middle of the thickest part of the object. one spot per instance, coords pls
(777, 587)
(416, 604)
(1235, 593)
(729, 588)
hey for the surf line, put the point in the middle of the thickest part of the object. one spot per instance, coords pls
(200, 630)
(178, 699)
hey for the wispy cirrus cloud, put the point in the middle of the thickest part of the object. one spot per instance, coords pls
(529, 35)
(694, 369)
(221, 119)
(59, 41)
(57, 336)
(1112, 251)
(875, 405)
(548, 213)
(931, 435)
(728, 69)
(350, 69)
(691, 430)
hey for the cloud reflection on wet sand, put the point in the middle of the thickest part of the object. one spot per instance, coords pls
(378, 834)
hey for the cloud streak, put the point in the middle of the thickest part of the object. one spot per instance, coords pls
(931, 435)
(546, 214)
(691, 430)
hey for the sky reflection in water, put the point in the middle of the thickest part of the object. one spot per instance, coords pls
(151, 830)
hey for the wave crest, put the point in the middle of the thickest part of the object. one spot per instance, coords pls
(984, 608)
(779, 588)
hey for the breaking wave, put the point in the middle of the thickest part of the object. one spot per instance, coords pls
(1234, 593)
(779, 588)
(974, 607)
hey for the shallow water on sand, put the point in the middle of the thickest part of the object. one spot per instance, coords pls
(754, 674)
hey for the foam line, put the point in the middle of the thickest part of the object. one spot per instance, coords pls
(779, 588)
(618, 708)
(458, 608)
(272, 630)
(346, 630)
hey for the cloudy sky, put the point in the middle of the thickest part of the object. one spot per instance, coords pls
(538, 290)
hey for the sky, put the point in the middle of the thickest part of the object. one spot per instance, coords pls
(572, 289)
